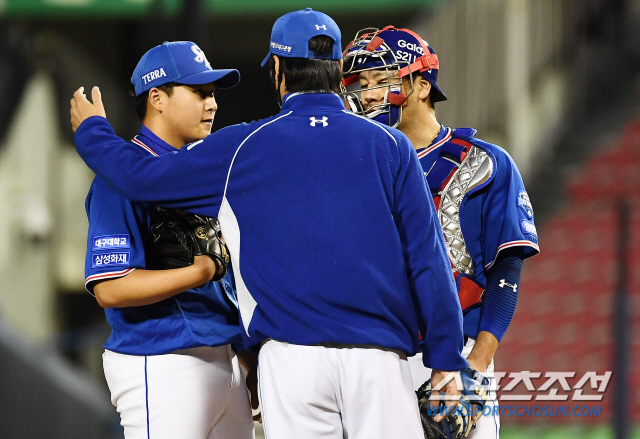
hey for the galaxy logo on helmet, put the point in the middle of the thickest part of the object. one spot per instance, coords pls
(182, 62)
(291, 34)
(398, 52)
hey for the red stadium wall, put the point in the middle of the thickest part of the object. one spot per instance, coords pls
(564, 319)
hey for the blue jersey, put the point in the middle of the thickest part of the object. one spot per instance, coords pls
(118, 234)
(481, 186)
(328, 220)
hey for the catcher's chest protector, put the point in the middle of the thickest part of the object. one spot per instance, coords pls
(459, 168)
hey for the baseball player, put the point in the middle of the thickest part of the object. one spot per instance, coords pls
(169, 363)
(332, 236)
(482, 205)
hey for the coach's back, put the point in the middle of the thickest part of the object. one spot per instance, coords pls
(315, 212)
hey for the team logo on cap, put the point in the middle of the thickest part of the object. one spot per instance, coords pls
(321, 26)
(200, 56)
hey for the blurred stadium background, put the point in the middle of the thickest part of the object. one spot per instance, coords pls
(555, 82)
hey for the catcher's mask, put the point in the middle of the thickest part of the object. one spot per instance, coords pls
(397, 53)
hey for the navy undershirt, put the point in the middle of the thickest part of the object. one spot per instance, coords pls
(499, 302)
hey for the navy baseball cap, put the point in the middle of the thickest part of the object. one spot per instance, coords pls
(291, 34)
(409, 48)
(182, 62)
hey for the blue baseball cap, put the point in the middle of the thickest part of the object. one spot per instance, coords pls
(291, 34)
(182, 62)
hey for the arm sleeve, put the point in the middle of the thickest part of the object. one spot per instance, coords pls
(501, 294)
(115, 243)
(507, 214)
(192, 179)
(429, 270)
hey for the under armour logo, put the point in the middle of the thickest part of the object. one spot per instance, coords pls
(503, 283)
(200, 57)
(323, 121)
(321, 26)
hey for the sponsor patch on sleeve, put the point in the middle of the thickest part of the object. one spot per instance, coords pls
(111, 242)
(111, 259)
(525, 203)
(528, 227)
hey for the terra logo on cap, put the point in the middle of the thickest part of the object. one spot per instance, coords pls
(182, 62)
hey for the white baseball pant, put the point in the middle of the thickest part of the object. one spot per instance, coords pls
(342, 391)
(197, 393)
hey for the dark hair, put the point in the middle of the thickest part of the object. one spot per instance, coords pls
(140, 102)
(319, 75)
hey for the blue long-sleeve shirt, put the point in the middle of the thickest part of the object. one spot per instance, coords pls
(117, 237)
(331, 229)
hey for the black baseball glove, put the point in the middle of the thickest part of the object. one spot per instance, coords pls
(178, 236)
(458, 422)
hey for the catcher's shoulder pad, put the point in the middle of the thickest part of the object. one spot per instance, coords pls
(465, 133)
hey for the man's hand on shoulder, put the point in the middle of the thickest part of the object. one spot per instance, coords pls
(82, 109)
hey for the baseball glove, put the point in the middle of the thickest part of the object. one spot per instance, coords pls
(178, 236)
(459, 422)
(206, 239)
